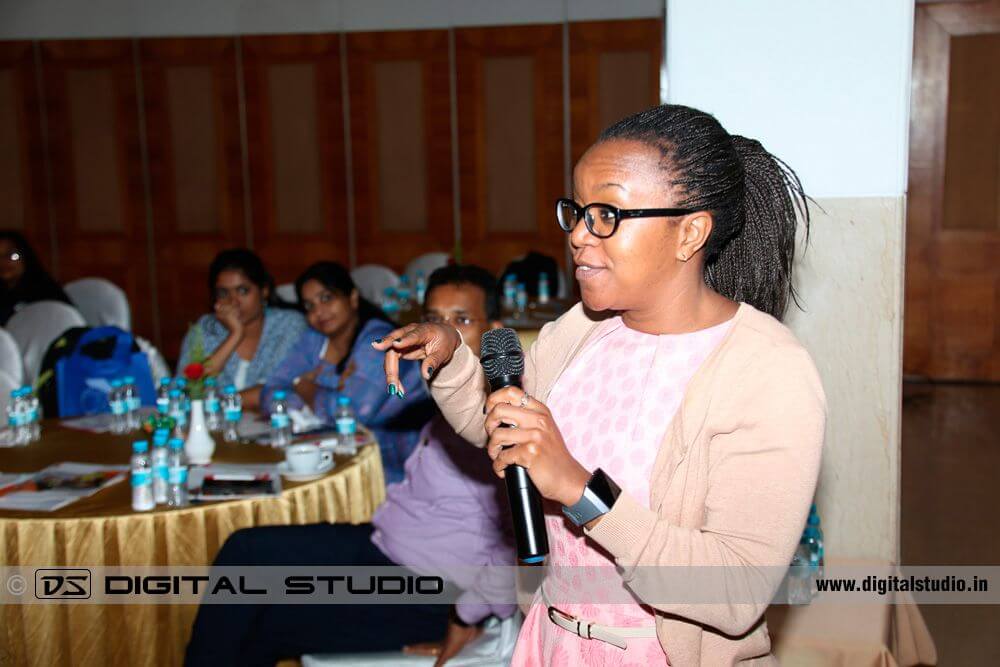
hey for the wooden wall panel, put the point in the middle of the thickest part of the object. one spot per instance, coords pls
(195, 161)
(97, 175)
(296, 150)
(23, 198)
(614, 72)
(401, 141)
(952, 297)
(484, 57)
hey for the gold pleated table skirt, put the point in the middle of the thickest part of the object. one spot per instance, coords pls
(104, 531)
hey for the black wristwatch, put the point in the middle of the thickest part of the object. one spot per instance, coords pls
(598, 498)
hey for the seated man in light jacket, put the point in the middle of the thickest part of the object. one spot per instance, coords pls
(449, 507)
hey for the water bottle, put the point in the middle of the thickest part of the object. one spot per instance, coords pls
(281, 424)
(160, 466)
(800, 576)
(232, 412)
(543, 288)
(116, 401)
(17, 418)
(213, 407)
(34, 410)
(510, 292)
(814, 539)
(521, 299)
(177, 411)
(347, 426)
(133, 402)
(403, 292)
(142, 478)
(163, 397)
(177, 474)
(182, 384)
(421, 288)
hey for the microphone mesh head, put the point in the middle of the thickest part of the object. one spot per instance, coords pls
(501, 353)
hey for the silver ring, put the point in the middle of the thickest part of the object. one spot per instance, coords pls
(524, 399)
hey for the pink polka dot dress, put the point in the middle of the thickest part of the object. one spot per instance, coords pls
(613, 405)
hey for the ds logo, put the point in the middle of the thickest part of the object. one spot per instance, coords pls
(62, 584)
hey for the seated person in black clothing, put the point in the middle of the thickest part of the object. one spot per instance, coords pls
(23, 279)
(449, 506)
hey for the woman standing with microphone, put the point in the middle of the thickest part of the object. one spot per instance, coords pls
(670, 420)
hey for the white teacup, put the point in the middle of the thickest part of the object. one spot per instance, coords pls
(306, 458)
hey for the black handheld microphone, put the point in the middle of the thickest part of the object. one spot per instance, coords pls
(503, 362)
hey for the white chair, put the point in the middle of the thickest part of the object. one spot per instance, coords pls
(372, 279)
(36, 326)
(7, 385)
(494, 648)
(11, 362)
(101, 302)
(286, 292)
(427, 264)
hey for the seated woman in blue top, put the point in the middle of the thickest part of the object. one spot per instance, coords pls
(334, 358)
(246, 335)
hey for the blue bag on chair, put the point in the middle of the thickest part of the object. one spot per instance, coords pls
(83, 378)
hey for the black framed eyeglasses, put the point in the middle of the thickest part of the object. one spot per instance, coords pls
(602, 219)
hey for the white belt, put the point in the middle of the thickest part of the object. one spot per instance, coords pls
(611, 634)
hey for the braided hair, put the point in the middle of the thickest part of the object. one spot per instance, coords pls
(753, 198)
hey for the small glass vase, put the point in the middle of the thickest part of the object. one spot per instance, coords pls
(199, 445)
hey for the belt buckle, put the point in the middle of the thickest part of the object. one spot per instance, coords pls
(580, 625)
(554, 610)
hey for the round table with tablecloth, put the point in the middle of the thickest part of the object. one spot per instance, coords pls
(102, 530)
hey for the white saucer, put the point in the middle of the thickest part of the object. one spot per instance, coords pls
(324, 468)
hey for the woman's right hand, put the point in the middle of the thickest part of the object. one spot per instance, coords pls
(435, 344)
(229, 314)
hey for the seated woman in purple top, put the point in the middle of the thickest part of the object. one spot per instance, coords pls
(450, 510)
(334, 358)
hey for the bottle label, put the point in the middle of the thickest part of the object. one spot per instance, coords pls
(134, 403)
(17, 419)
(179, 416)
(212, 406)
(163, 405)
(233, 414)
(346, 426)
(117, 407)
(33, 415)
(178, 475)
(141, 478)
(160, 470)
(279, 420)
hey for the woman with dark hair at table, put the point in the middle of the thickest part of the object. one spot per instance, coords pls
(246, 334)
(671, 421)
(23, 279)
(333, 358)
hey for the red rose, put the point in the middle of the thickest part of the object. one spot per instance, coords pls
(194, 371)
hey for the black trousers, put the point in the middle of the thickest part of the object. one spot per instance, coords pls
(265, 634)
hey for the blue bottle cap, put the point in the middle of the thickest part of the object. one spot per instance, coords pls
(116, 383)
(129, 379)
(181, 382)
(388, 291)
(230, 389)
(280, 395)
(343, 400)
(140, 446)
(164, 382)
(175, 393)
(210, 382)
(160, 438)
(176, 443)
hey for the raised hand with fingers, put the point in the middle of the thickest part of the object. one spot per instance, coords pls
(534, 443)
(434, 344)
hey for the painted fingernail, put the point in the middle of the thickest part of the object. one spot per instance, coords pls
(484, 408)
(392, 390)
(400, 393)
(376, 341)
(430, 371)
(399, 340)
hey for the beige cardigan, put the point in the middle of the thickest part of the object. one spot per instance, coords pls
(731, 484)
